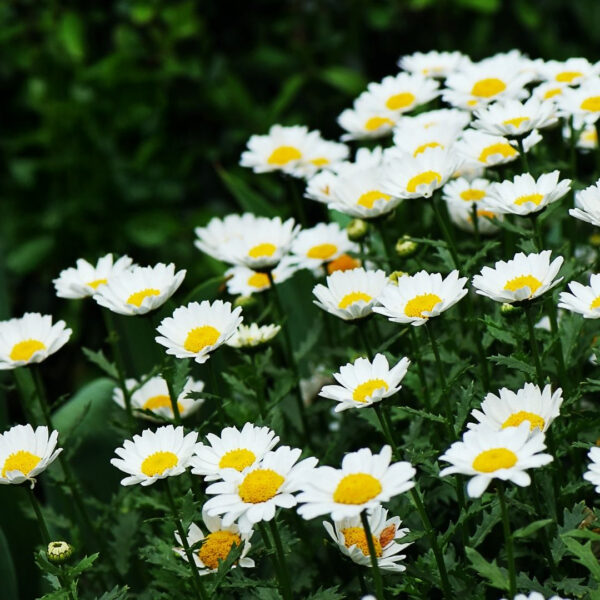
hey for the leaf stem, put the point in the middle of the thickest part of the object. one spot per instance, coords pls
(284, 581)
(534, 345)
(510, 556)
(374, 564)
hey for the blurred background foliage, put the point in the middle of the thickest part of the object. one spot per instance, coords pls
(124, 120)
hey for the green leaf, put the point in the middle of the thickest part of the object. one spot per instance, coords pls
(584, 555)
(7, 571)
(116, 593)
(419, 413)
(496, 576)
(100, 360)
(85, 563)
(286, 96)
(246, 197)
(344, 79)
(71, 35)
(532, 528)
(514, 363)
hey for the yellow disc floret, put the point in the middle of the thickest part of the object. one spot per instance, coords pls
(486, 88)
(491, 460)
(375, 123)
(216, 547)
(420, 304)
(568, 76)
(357, 488)
(595, 303)
(516, 122)
(472, 195)
(353, 297)
(592, 104)
(160, 401)
(364, 390)
(424, 147)
(502, 148)
(158, 462)
(262, 250)
(26, 349)
(94, 284)
(137, 298)
(355, 536)
(260, 485)
(237, 459)
(22, 461)
(283, 155)
(425, 178)
(517, 418)
(322, 251)
(368, 199)
(201, 337)
(533, 198)
(259, 280)
(517, 283)
(398, 101)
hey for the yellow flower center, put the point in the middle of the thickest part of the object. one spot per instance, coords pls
(420, 304)
(322, 251)
(368, 199)
(424, 147)
(158, 462)
(94, 284)
(502, 148)
(364, 390)
(260, 485)
(568, 76)
(486, 88)
(591, 135)
(342, 263)
(201, 337)
(425, 178)
(26, 349)
(472, 195)
(592, 104)
(482, 213)
(494, 459)
(357, 488)
(320, 162)
(353, 297)
(237, 459)
(160, 401)
(217, 546)
(355, 536)
(517, 418)
(283, 155)
(551, 93)
(261, 250)
(137, 298)
(516, 122)
(595, 303)
(22, 461)
(517, 283)
(259, 280)
(375, 123)
(533, 198)
(398, 101)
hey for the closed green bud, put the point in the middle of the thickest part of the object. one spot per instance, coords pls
(405, 247)
(357, 229)
(509, 311)
(395, 276)
(59, 552)
(244, 301)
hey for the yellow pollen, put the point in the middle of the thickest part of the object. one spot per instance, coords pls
(322, 251)
(398, 101)
(355, 536)
(489, 461)
(375, 123)
(283, 155)
(160, 401)
(590, 136)
(516, 122)
(551, 93)
(484, 213)
(472, 103)
(502, 148)
(137, 298)
(486, 88)
(472, 195)
(158, 462)
(22, 461)
(425, 178)
(260, 485)
(592, 104)
(368, 199)
(595, 303)
(517, 418)
(259, 280)
(342, 263)
(320, 162)
(517, 283)
(217, 546)
(26, 349)
(237, 459)
(533, 198)
(201, 337)
(420, 304)
(261, 250)
(364, 390)
(568, 76)
(357, 488)
(353, 297)
(94, 284)
(424, 147)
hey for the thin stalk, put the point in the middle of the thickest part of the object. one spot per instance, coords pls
(284, 580)
(597, 126)
(534, 345)
(537, 232)
(445, 231)
(545, 540)
(260, 390)
(364, 338)
(361, 582)
(39, 516)
(523, 155)
(572, 149)
(172, 397)
(510, 555)
(374, 564)
(562, 370)
(386, 426)
(475, 221)
(483, 364)
(387, 244)
(417, 356)
(298, 202)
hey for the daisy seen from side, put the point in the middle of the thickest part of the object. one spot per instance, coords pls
(583, 299)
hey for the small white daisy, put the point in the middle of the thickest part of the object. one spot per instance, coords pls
(155, 455)
(30, 339)
(412, 140)
(462, 216)
(196, 330)
(524, 277)
(362, 383)
(583, 102)
(573, 71)
(587, 205)
(465, 192)
(25, 453)
(593, 473)
(434, 64)
(320, 244)
(535, 596)
(584, 299)
(320, 154)
(550, 91)
(365, 121)
(245, 282)
(138, 290)
(250, 336)
(482, 148)
(453, 119)
(485, 454)
(83, 280)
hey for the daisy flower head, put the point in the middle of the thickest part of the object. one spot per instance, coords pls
(233, 449)
(29, 339)
(244, 281)
(452, 119)
(154, 455)
(365, 120)
(138, 290)
(485, 454)
(434, 64)
(465, 192)
(215, 545)
(153, 395)
(593, 473)
(250, 336)
(418, 297)
(535, 596)
(350, 537)
(509, 409)
(525, 195)
(362, 383)
(583, 299)
(321, 244)
(485, 149)
(364, 481)
(196, 330)
(82, 280)
(524, 277)
(350, 294)
(464, 215)
(549, 91)
(253, 495)
(412, 140)
(582, 102)
(573, 71)
(587, 139)
(587, 205)
(26, 452)
(320, 154)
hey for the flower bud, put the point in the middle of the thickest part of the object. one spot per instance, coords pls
(395, 276)
(405, 247)
(509, 311)
(244, 301)
(357, 229)
(59, 552)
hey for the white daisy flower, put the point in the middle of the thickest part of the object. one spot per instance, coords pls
(587, 139)
(418, 297)
(462, 216)
(253, 495)
(434, 64)
(350, 294)
(484, 149)
(535, 596)
(83, 280)
(366, 121)
(320, 154)
(153, 395)
(583, 102)
(550, 91)
(250, 336)
(216, 545)
(524, 195)
(196, 330)
(415, 140)
(138, 290)
(30, 339)
(573, 71)
(593, 473)
(351, 539)
(486, 454)
(509, 409)
(320, 244)
(465, 192)
(453, 119)
(233, 449)
(26, 452)
(155, 455)
(587, 205)
(364, 481)
(245, 282)
(524, 277)
(584, 299)
(362, 383)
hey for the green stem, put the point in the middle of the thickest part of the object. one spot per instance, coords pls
(172, 397)
(475, 221)
(523, 155)
(545, 540)
(260, 389)
(39, 515)
(386, 426)
(374, 564)
(562, 370)
(534, 345)
(417, 357)
(483, 364)
(362, 333)
(510, 556)
(572, 149)
(284, 575)
(298, 202)
(445, 231)
(387, 244)
(537, 231)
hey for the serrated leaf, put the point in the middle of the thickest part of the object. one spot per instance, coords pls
(515, 363)
(85, 563)
(532, 528)
(496, 576)
(117, 593)
(100, 360)
(420, 413)
(584, 555)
